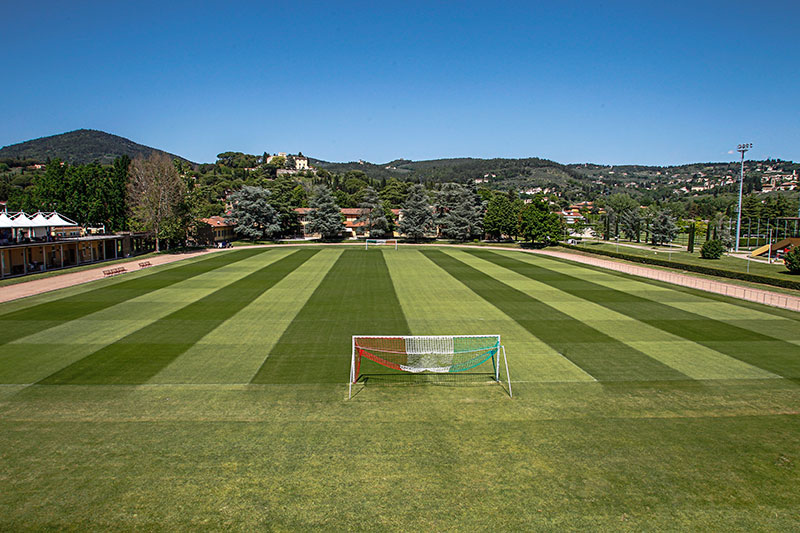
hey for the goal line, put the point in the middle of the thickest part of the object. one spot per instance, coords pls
(428, 353)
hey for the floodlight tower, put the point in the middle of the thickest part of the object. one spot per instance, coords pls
(742, 148)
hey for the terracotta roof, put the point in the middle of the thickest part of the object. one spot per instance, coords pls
(216, 222)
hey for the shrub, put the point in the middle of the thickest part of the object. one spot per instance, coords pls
(712, 249)
(792, 260)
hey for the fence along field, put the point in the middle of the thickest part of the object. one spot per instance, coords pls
(213, 393)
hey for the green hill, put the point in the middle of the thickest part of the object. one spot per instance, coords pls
(79, 146)
(460, 169)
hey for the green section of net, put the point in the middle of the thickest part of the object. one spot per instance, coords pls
(471, 352)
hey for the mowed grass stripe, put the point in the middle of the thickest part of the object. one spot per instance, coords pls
(234, 351)
(774, 322)
(33, 319)
(602, 356)
(41, 354)
(435, 303)
(141, 355)
(692, 359)
(356, 297)
(762, 351)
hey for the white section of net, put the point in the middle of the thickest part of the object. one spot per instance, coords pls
(428, 353)
(430, 345)
(429, 362)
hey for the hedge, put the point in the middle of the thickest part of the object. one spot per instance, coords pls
(700, 269)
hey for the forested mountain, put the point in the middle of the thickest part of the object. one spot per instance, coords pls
(79, 147)
(459, 169)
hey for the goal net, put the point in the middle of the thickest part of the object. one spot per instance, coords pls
(380, 242)
(431, 353)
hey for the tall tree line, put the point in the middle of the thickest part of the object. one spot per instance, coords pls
(91, 195)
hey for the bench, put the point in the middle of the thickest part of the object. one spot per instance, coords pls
(114, 271)
(144, 264)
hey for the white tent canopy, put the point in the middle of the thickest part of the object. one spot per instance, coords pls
(57, 220)
(38, 220)
(20, 220)
(6, 221)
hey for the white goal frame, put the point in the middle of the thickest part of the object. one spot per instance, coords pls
(380, 242)
(501, 348)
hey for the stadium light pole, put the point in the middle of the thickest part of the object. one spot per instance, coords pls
(742, 148)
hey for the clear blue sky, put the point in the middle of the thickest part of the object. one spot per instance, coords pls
(607, 82)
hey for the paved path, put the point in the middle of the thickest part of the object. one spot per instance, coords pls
(68, 279)
(774, 299)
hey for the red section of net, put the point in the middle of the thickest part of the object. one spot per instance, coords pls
(379, 360)
(382, 344)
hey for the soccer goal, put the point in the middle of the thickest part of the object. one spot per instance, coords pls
(432, 353)
(380, 242)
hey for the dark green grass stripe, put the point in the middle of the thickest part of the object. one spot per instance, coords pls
(142, 354)
(24, 322)
(356, 297)
(765, 352)
(602, 356)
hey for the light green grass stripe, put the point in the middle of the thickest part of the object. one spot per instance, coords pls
(234, 351)
(435, 303)
(37, 356)
(692, 359)
(763, 320)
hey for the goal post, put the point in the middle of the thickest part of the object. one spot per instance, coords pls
(380, 242)
(429, 353)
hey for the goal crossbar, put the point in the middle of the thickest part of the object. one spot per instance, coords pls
(428, 353)
(380, 242)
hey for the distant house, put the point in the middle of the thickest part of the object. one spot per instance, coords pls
(571, 215)
(215, 229)
(353, 228)
(300, 161)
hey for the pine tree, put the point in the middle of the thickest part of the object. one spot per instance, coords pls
(254, 216)
(663, 228)
(416, 217)
(459, 212)
(325, 217)
(373, 215)
(631, 222)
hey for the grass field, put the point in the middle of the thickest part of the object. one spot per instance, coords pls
(211, 394)
(680, 255)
